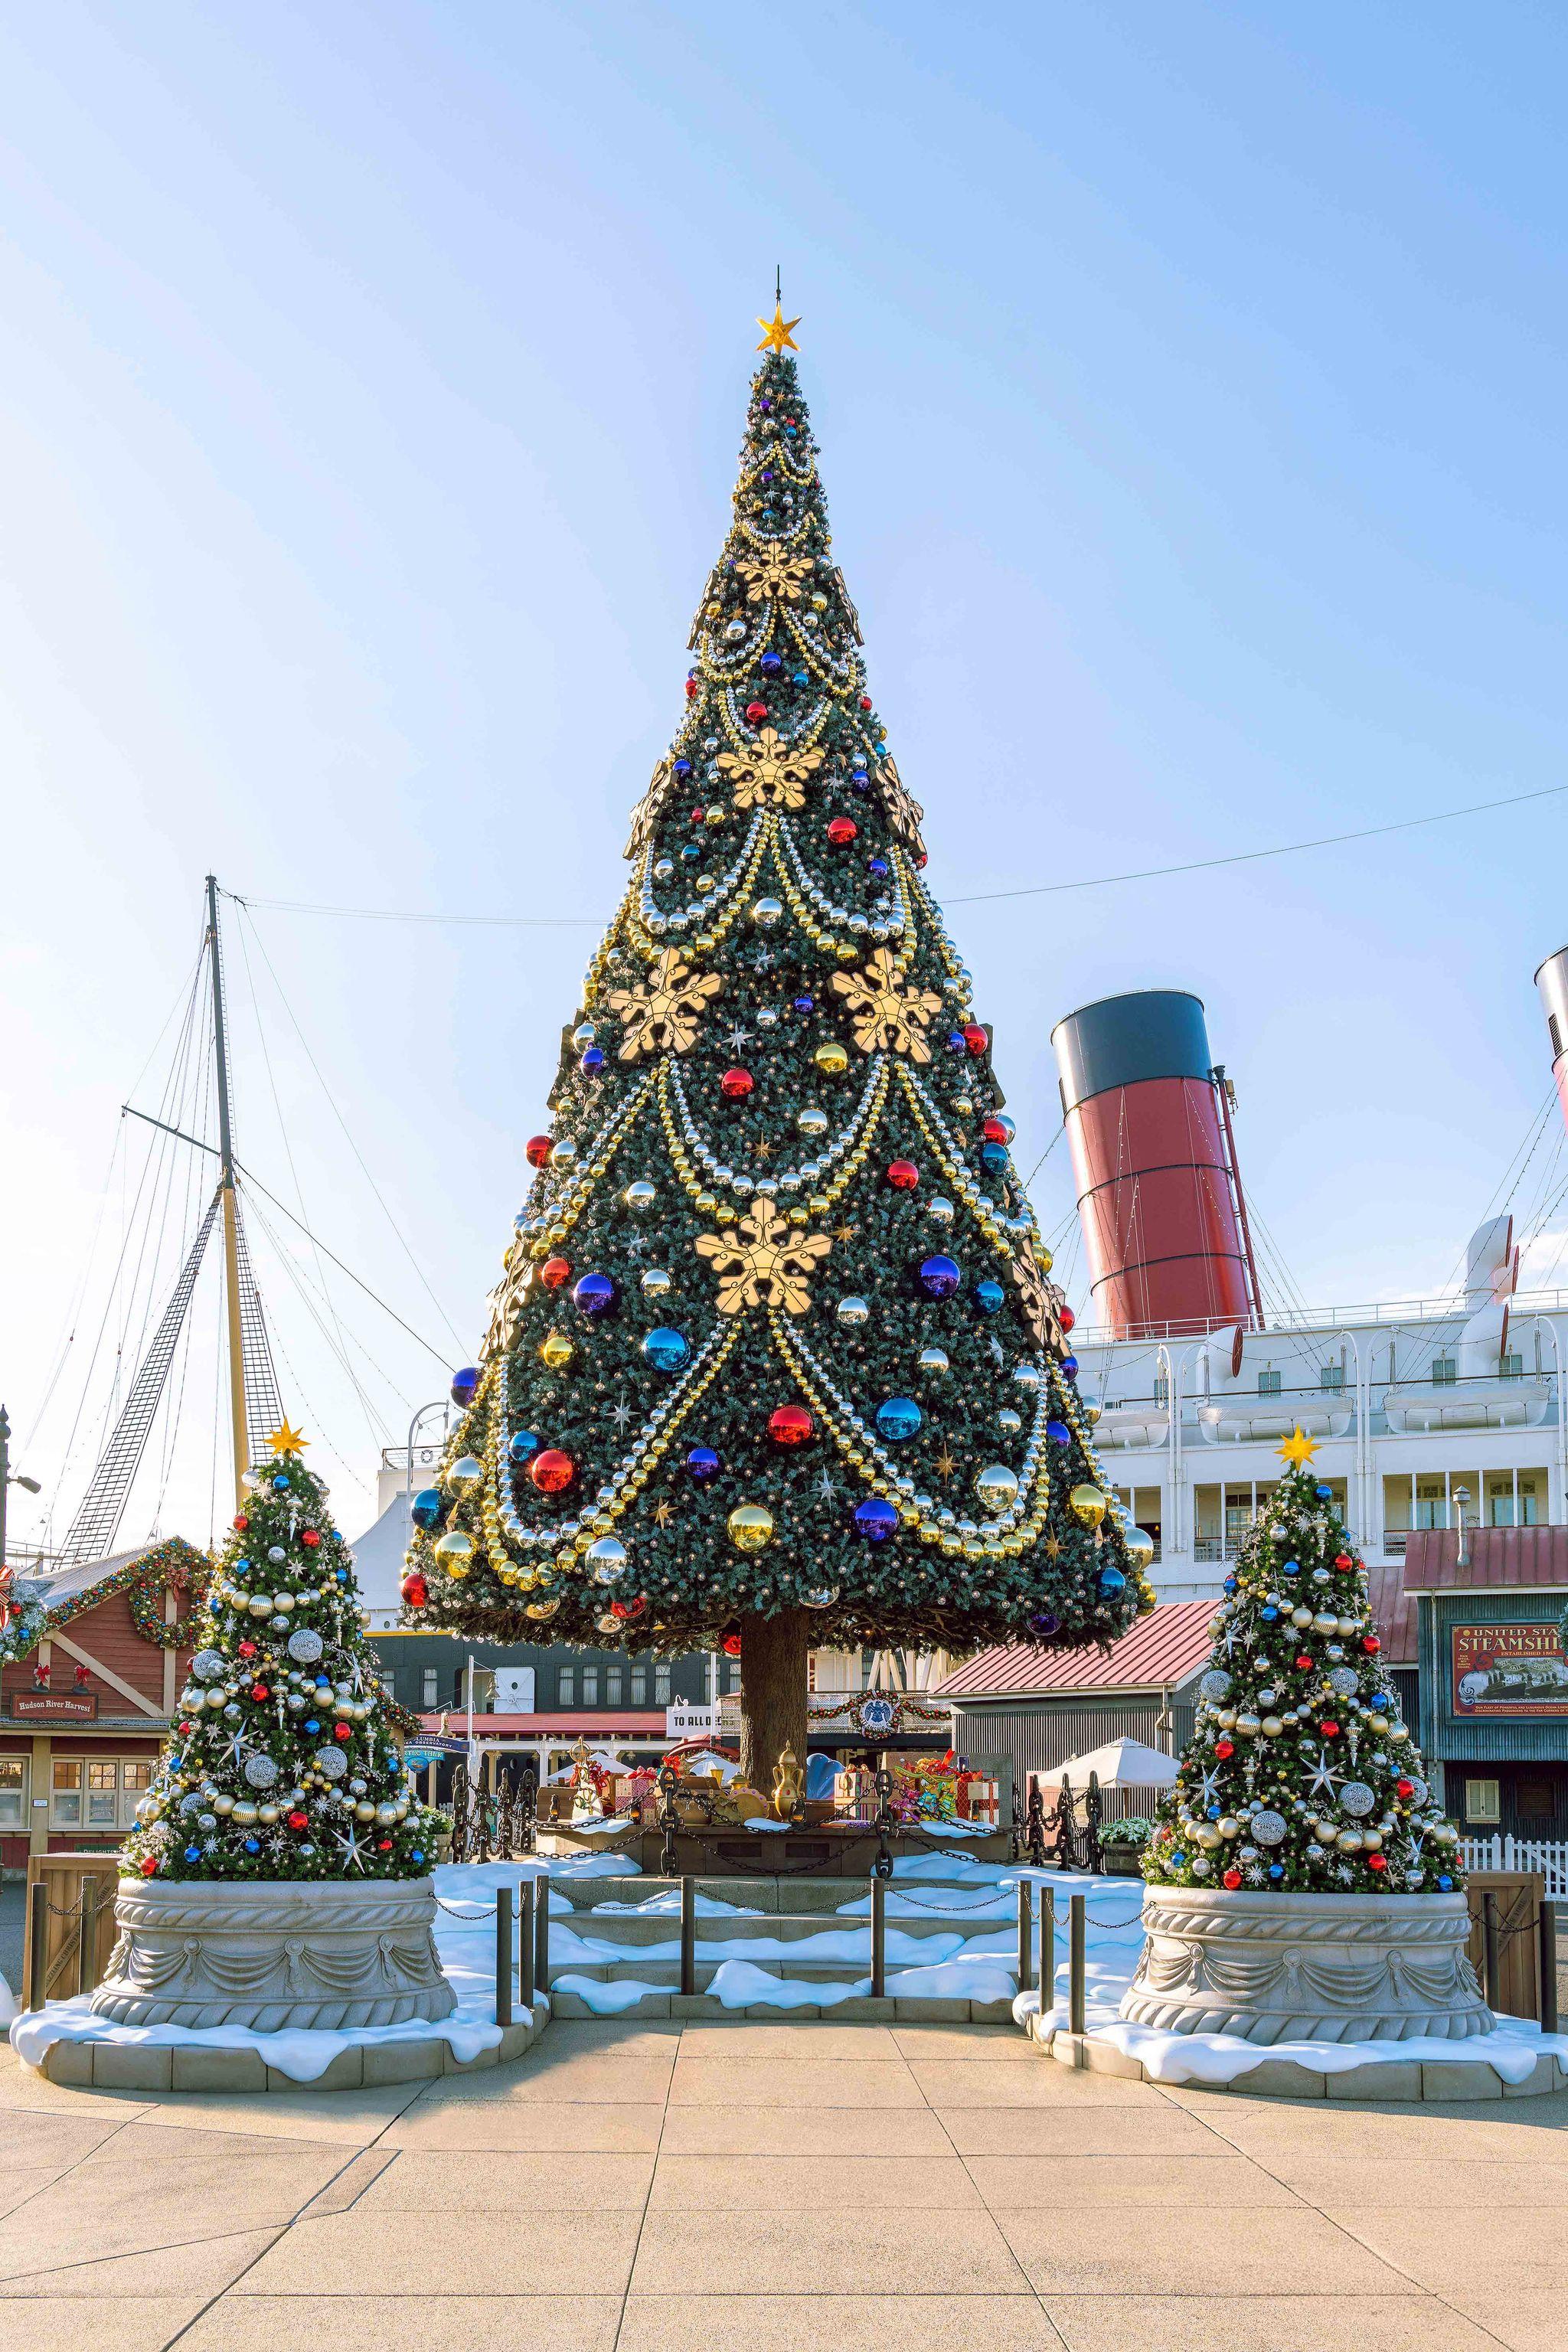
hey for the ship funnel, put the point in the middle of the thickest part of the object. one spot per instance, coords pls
(1159, 1200)
(1552, 984)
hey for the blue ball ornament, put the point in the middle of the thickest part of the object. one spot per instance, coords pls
(702, 1464)
(1276, 1870)
(1043, 1623)
(988, 1297)
(343, 1575)
(592, 1061)
(802, 1004)
(680, 767)
(1069, 1366)
(1177, 1860)
(940, 1277)
(956, 1041)
(877, 867)
(1270, 1614)
(1229, 1585)
(691, 851)
(1112, 1581)
(193, 1853)
(1059, 1433)
(993, 1155)
(801, 677)
(522, 1446)
(1291, 1568)
(312, 1726)
(666, 1349)
(875, 1520)
(426, 1508)
(253, 1845)
(1445, 1884)
(280, 1484)
(594, 1294)
(770, 663)
(417, 1855)
(464, 1382)
(897, 1419)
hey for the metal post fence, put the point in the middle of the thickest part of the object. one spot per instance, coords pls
(687, 1933)
(1489, 1947)
(541, 1937)
(1077, 1941)
(878, 1938)
(1025, 1934)
(38, 1944)
(1048, 1967)
(1546, 1924)
(86, 1938)
(503, 1955)
(525, 1946)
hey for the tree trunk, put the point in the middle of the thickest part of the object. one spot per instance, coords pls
(772, 1694)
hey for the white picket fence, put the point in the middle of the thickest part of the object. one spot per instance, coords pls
(1497, 1852)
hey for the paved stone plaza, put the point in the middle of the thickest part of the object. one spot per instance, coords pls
(649, 2187)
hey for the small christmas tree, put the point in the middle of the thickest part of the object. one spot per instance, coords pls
(1299, 1776)
(284, 1761)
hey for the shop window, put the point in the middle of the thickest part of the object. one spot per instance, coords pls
(612, 1685)
(639, 1685)
(1483, 1803)
(566, 1687)
(135, 1779)
(661, 1682)
(65, 1795)
(1268, 1383)
(430, 1686)
(590, 1686)
(12, 1792)
(1536, 1799)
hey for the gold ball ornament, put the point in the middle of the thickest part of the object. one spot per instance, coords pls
(455, 1552)
(751, 1527)
(1088, 1505)
(831, 1059)
(465, 1473)
(1139, 1549)
(556, 1350)
(542, 1611)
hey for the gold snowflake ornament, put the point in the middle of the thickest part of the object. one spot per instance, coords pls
(773, 574)
(904, 814)
(506, 1304)
(1041, 1302)
(661, 1014)
(768, 1265)
(648, 808)
(888, 1018)
(770, 774)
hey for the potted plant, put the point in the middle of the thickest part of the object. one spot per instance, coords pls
(1121, 1845)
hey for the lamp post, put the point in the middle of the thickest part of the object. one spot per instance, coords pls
(1461, 1497)
(8, 1478)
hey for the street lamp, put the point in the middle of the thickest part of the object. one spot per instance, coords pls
(1461, 1497)
(9, 1478)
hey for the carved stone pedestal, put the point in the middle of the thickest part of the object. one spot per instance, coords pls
(1306, 1968)
(275, 1955)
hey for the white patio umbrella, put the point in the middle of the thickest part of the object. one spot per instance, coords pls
(1120, 1764)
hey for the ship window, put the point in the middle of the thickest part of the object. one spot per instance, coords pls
(1445, 1372)
(1556, 1034)
(1268, 1383)
(1483, 1803)
(1331, 1376)
(1511, 1367)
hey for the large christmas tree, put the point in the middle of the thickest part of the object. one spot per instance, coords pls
(286, 1758)
(776, 1352)
(1299, 1774)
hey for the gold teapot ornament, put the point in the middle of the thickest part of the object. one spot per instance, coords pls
(789, 1790)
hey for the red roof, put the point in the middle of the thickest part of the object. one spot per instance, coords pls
(1501, 1558)
(1163, 1651)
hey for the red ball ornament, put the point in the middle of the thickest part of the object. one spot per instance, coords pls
(384, 1846)
(184, 1731)
(864, 702)
(1343, 1559)
(626, 1608)
(841, 831)
(1404, 1787)
(242, 1523)
(732, 1645)
(310, 1538)
(552, 1470)
(259, 1691)
(1371, 1644)
(1377, 1861)
(692, 690)
(149, 1864)
(736, 1085)
(1329, 1730)
(415, 1591)
(903, 1175)
(298, 1820)
(555, 1271)
(995, 1131)
(537, 1150)
(1065, 1317)
(756, 712)
(248, 1649)
(790, 1424)
(1232, 1878)
(341, 1731)
(1224, 1748)
(1304, 1664)
(975, 1037)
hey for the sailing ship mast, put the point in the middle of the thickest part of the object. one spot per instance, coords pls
(230, 1212)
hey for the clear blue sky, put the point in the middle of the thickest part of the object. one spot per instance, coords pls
(1191, 384)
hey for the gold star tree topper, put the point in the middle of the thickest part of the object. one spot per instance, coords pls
(1298, 1450)
(285, 1440)
(778, 332)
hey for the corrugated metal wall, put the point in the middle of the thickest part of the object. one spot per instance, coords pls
(1044, 1734)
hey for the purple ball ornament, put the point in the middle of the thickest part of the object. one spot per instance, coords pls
(940, 1277)
(875, 1520)
(595, 1295)
(464, 1382)
(702, 1464)
(1044, 1624)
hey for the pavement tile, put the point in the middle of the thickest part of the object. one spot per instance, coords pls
(53, 2141)
(1344, 2183)
(445, 2122)
(820, 2132)
(600, 2080)
(1041, 2183)
(199, 2269)
(1527, 2245)
(443, 2253)
(607, 2037)
(963, 2323)
(875, 2044)
(1265, 2250)
(128, 2201)
(1075, 2130)
(1267, 2323)
(1526, 2321)
(64, 2322)
(979, 2082)
(18, 2183)
(840, 2254)
(416, 2180)
(348, 2119)
(413, 2323)
(24, 2093)
(967, 2044)
(813, 2083)
(1297, 2128)
(349, 2181)
(709, 2184)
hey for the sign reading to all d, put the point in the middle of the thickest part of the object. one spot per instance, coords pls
(684, 1722)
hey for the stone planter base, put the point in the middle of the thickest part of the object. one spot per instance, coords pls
(1306, 1968)
(1441, 2080)
(275, 1955)
(189, 2066)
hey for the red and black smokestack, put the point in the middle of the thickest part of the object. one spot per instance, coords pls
(1159, 1200)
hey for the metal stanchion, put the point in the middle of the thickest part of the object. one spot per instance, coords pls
(668, 1819)
(878, 1938)
(1078, 1936)
(1025, 1934)
(1048, 1967)
(1546, 1924)
(39, 1944)
(541, 1937)
(1490, 1947)
(525, 1946)
(503, 1955)
(86, 1938)
(687, 1933)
